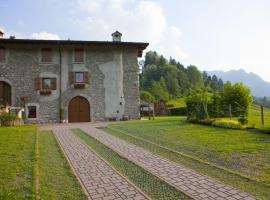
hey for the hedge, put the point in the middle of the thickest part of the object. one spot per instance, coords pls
(182, 111)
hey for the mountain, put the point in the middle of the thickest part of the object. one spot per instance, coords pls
(258, 86)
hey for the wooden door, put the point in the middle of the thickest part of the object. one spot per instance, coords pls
(79, 110)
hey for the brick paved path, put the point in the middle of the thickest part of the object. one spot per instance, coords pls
(96, 176)
(197, 186)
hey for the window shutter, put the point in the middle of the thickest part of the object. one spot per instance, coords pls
(46, 56)
(79, 55)
(37, 83)
(71, 77)
(2, 54)
(86, 77)
(53, 80)
(1, 91)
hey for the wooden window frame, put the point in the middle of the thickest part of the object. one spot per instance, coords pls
(44, 58)
(77, 50)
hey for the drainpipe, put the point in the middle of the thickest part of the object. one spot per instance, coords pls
(60, 85)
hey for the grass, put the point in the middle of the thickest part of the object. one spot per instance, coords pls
(254, 116)
(17, 155)
(57, 180)
(150, 184)
(20, 166)
(244, 155)
(177, 103)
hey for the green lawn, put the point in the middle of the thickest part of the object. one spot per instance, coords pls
(17, 155)
(19, 161)
(180, 102)
(57, 180)
(150, 184)
(241, 152)
(254, 116)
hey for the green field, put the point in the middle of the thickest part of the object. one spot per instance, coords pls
(254, 116)
(148, 183)
(243, 156)
(28, 158)
(177, 103)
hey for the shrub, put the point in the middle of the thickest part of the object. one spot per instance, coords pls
(182, 111)
(243, 120)
(227, 124)
(203, 121)
(7, 119)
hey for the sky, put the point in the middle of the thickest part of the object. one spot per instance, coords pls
(211, 34)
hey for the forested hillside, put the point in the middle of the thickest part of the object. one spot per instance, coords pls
(168, 79)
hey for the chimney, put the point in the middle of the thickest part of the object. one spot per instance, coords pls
(1, 34)
(116, 36)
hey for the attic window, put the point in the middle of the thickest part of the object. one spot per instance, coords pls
(2, 54)
(46, 55)
(79, 55)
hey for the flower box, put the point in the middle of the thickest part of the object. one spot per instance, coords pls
(45, 92)
(79, 86)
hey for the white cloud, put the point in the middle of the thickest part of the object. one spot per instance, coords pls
(44, 36)
(138, 20)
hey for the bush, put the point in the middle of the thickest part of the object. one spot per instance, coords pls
(7, 119)
(182, 111)
(202, 121)
(227, 124)
(243, 120)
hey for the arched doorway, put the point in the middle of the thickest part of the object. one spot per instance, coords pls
(79, 110)
(5, 94)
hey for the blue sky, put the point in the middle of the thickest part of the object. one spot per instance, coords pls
(211, 34)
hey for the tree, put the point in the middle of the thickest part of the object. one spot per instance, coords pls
(214, 83)
(238, 96)
(147, 96)
(197, 104)
(151, 58)
(158, 90)
(194, 77)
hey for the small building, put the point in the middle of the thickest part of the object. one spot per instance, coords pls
(70, 81)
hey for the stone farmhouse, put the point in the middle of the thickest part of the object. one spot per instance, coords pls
(70, 81)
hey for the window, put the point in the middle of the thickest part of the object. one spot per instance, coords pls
(79, 77)
(2, 54)
(46, 55)
(5, 94)
(46, 83)
(79, 55)
(32, 112)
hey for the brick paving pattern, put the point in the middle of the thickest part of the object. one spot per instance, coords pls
(197, 186)
(96, 176)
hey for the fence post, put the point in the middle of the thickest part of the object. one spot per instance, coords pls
(149, 111)
(262, 115)
(230, 111)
